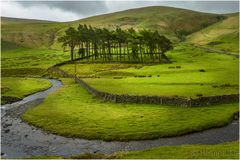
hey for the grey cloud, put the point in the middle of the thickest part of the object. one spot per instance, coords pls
(84, 8)
(211, 6)
(202, 6)
(72, 10)
(89, 8)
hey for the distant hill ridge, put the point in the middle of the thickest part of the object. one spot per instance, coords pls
(167, 20)
(8, 20)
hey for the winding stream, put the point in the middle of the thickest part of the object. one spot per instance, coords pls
(18, 139)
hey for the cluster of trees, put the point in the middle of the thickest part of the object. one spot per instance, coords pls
(101, 44)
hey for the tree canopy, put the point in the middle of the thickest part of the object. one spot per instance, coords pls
(101, 44)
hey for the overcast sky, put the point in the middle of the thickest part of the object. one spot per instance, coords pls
(73, 10)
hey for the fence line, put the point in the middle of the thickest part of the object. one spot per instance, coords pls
(124, 98)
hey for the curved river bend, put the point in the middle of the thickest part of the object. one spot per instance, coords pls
(18, 139)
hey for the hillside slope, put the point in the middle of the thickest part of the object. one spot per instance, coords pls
(28, 32)
(167, 20)
(39, 34)
(8, 20)
(223, 35)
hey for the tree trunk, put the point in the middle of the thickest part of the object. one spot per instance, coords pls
(120, 46)
(141, 54)
(71, 53)
(109, 50)
(124, 53)
(128, 52)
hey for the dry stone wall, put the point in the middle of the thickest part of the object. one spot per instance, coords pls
(176, 101)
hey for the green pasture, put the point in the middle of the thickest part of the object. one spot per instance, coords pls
(229, 150)
(21, 87)
(71, 111)
(32, 58)
(21, 61)
(29, 47)
(193, 72)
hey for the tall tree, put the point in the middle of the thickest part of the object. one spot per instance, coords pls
(71, 39)
(112, 44)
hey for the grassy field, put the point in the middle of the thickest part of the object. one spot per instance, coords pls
(32, 58)
(21, 61)
(20, 87)
(228, 150)
(29, 47)
(77, 114)
(198, 73)
(224, 34)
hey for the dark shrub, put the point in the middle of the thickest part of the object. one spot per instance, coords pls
(199, 95)
(214, 43)
(117, 77)
(220, 17)
(138, 67)
(150, 76)
(201, 70)
(141, 76)
(178, 66)
(170, 67)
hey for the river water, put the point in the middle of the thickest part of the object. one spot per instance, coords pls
(19, 139)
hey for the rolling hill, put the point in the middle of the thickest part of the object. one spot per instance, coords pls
(167, 20)
(223, 35)
(29, 33)
(8, 20)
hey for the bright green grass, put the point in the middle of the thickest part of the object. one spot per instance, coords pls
(160, 87)
(228, 150)
(71, 111)
(28, 62)
(32, 58)
(21, 87)
(220, 76)
(221, 151)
